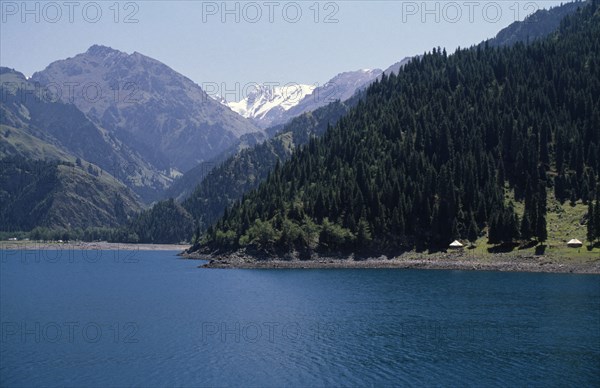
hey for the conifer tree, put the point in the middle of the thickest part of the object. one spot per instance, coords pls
(591, 223)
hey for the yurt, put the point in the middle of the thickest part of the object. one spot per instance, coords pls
(574, 243)
(456, 245)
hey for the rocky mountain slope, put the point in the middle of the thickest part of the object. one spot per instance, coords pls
(38, 126)
(274, 106)
(536, 26)
(160, 114)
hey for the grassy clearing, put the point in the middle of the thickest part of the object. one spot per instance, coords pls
(564, 222)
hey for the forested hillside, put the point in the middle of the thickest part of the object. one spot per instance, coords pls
(430, 153)
(185, 185)
(60, 195)
(245, 171)
(230, 180)
(166, 222)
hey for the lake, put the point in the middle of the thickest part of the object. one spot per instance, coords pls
(117, 318)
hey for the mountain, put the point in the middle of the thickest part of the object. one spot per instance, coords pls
(273, 106)
(244, 171)
(395, 68)
(435, 153)
(53, 194)
(39, 126)
(228, 181)
(536, 26)
(339, 88)
(352, 82)
(56, 166)
(266, 104)
(184, 185)
(225, 180)
(153, 110)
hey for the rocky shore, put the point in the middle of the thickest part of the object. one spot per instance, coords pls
(463, 261)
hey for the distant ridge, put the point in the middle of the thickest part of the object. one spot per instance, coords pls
(536, 26)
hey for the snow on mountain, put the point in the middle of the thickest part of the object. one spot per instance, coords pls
(265, 103)
(341, 87)
(268, 106)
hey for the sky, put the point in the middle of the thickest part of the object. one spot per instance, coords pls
(228, 45)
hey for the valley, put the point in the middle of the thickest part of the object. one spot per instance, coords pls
(300, 194)
(183, 159)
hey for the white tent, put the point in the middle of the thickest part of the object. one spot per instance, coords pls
(574, 243)
(456, 245)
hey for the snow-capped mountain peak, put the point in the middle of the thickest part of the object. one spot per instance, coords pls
(269, 105)
(262, 100)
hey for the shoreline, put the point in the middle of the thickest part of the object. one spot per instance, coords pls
(458, 261)
(500, 262)
(80, 245)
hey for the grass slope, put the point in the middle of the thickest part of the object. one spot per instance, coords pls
(18, 142)
(564, 222)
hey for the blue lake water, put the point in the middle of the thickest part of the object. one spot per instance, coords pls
(115, 318)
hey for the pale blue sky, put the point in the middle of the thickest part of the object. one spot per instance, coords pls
(191, 37)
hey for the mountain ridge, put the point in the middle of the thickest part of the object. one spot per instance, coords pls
(44, 121)
(161, 114)
(536, 26)
(272, 106)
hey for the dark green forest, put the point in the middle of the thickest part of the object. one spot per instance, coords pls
(166, 222)
(429, 154)
(169, 222)
(243, 172)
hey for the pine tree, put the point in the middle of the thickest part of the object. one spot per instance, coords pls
(541, 231)
(363, 234)
(526, 227)
(495, 233)
(597, 218)
(473, 230)
(591, 223)
(512, 224)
